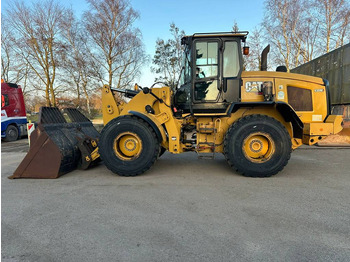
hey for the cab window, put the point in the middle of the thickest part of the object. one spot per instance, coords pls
(231, 59)
(206, 70)
(206, 59)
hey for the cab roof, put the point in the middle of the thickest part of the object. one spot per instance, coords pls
(242, 35)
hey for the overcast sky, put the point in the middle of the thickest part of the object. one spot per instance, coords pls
(192, 16)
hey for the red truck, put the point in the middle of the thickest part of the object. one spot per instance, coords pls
(13, 112)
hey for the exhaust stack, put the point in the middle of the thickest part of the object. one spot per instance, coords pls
(264, 53)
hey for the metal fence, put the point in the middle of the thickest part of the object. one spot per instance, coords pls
(335, 67)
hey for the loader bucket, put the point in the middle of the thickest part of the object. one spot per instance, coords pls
(343, 137)
(57, 146)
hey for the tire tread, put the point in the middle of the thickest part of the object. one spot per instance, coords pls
(236, 126)
(110, 165)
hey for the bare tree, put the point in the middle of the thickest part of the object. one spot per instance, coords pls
(255, 42)
(309, 36)
(303, 29)
(37, 31)
(282, 22)
(119, 51)
(6, 51)
(333, 16)
(344, 31)
(252, 61)
(76, 59)
(13, 68)
(235, 27)
(168, 57)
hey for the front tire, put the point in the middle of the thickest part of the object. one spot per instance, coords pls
(11, 133)
(128, 146)
(257, 146)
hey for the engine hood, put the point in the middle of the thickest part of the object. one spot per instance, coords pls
(270, 74)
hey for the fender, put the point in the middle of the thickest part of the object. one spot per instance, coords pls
(286, 111)
(154, 123)
(290, 115)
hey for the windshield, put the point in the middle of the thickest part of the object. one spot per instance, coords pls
(186, 66)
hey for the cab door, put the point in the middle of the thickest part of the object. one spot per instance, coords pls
(217, 71)
(206, 84)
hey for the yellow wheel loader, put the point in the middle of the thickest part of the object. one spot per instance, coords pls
(255, 119)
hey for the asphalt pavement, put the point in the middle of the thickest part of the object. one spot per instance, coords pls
(182, 209)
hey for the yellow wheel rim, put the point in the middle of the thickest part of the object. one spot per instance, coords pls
(127, 146)
(258, 147)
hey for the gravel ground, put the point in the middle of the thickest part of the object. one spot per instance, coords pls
(183, 209)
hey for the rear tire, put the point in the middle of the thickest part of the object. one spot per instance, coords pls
(257, 146)
(128, 146)
(11, 134)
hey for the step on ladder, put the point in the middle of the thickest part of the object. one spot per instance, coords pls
(211, 145)
(205, 145)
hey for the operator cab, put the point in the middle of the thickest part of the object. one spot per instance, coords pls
(211, 75)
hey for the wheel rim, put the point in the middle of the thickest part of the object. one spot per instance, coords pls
(127, 146)
(258, 147)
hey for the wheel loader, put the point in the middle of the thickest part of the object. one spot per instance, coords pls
(255, 119)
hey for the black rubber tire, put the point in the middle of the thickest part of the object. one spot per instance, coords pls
(240, 130)
(11, 133)
(150, 146)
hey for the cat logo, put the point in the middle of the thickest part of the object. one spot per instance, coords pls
(253, 87)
